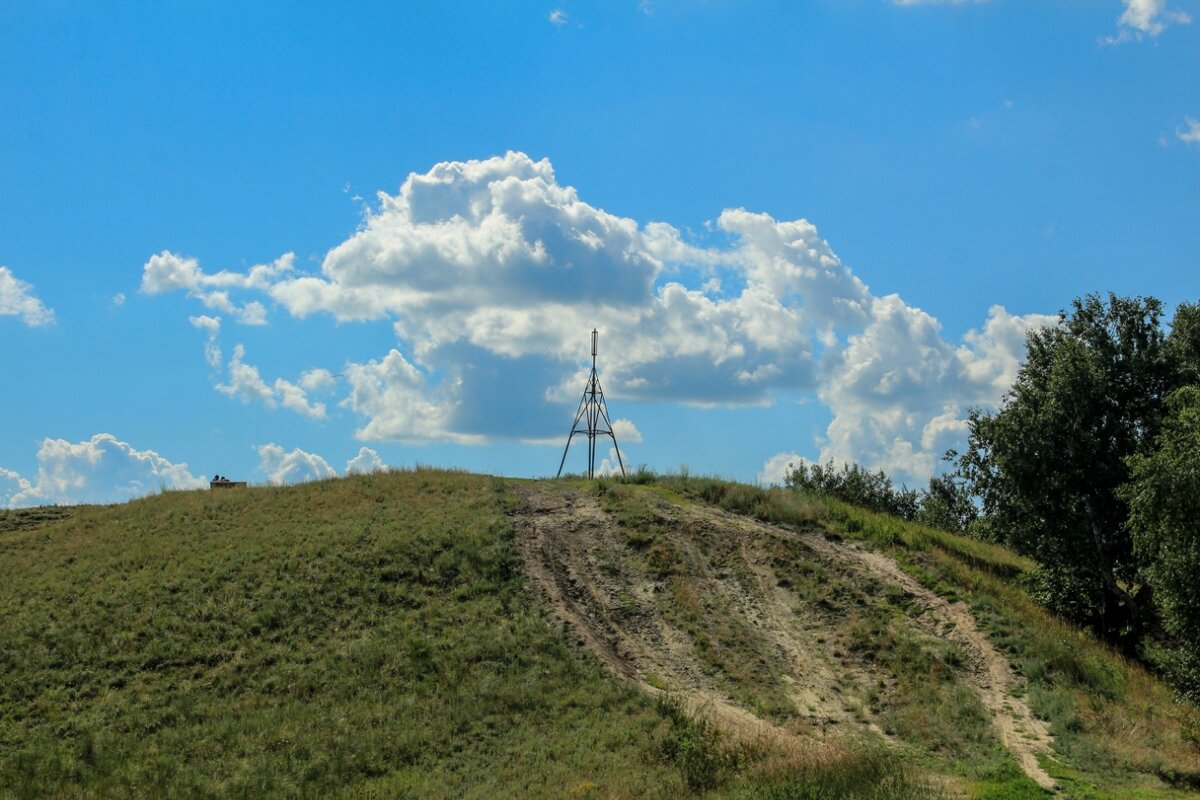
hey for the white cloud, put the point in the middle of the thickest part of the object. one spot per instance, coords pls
(899, 391)
(558, 17)
(494, 259)
(365, 462)
(611, 466)
(118, 299)
(295, 398)
(167, 272)
(314, 380)
(626, 431)
(100, 470)
(491, 274)
(15, 490)
(17, 300)
(393, 395)
(247, 384)
(1192, 134)
(775, 470)
(296, 466)
(211, 326)
(1145, 18)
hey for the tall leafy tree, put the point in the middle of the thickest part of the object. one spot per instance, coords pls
(1184, 344)
(947, 504)
(1164, 519)
(1047, 465)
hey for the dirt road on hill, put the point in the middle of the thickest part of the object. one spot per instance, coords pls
(578, 559)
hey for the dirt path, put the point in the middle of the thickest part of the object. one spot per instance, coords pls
(574, 556)
(564, 540)
(1022, 733)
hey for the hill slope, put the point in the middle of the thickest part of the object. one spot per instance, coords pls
(400, 635)
(795, 625)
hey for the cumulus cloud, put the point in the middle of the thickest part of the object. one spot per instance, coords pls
(626, 431)
(100, 470)
(1145, 18)
(558, 17)
(296, 466)
(775, 470)
(899, 391)
(365, 462)
(18, 300)
(167, 272)
(611, 466)
(393, 395)
(247, 384)
(491, 274)
(1191, 135)
(486, 261)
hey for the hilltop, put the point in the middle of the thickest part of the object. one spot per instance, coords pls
(431, 634)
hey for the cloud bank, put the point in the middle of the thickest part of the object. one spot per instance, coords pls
(491, 275)
(102, 469)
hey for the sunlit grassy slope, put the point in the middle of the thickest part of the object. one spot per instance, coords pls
(372, 637)
(365, 636)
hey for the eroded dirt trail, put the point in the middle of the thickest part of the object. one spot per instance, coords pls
(1022, 733)
(644, 626)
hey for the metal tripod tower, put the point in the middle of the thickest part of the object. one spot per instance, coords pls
(593, 411)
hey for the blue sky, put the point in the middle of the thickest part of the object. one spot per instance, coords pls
(806, 229)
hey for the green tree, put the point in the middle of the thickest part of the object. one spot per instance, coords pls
(1164, 519)
(855, 484)
(1048, 463)
(947, 504)
(1184, 344)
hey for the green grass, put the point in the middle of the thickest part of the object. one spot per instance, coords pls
(371, 637)
(365, 637)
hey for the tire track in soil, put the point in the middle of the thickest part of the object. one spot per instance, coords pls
(571, 554)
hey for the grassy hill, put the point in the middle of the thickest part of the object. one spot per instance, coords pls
(397, 635)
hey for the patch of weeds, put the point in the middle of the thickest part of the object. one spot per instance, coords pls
(641, 476)
(640, 539)
(926, 702)
(1003, 780)
(695, 747)
(653, 679)
(663, 559)
(852, 772)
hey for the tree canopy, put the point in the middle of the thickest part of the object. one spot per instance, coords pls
(1164, 521)
(1048, 464)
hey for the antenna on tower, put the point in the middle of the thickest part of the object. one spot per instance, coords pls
(593, 413)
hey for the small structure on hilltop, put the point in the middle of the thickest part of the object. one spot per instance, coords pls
(593, 412)
(221, 482)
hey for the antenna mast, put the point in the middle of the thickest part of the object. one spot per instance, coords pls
(593, 413)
